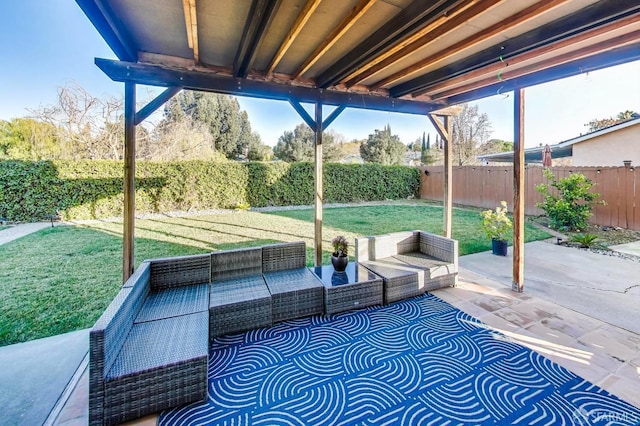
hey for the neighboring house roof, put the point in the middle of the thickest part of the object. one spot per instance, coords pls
(559, 150)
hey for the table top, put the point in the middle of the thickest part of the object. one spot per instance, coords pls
(354, 274)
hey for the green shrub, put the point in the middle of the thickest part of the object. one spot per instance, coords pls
(571, 208)
(94, 189)
(585, 240)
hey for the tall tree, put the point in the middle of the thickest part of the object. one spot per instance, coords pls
(601, 123)
(299, 145)
(383, 147)
(228, 125)
(470, 130)
(28, 139)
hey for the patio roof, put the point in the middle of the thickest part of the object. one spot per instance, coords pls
(398, 55)
(406, 56)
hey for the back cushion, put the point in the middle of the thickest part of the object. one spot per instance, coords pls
(278, 257)
(179, 271)
(239, 263)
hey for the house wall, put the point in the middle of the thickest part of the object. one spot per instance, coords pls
(610, 149)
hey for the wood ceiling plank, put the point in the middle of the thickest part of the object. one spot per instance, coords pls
(191, 22)
(504, 25)
(304, 15)
(356, 13)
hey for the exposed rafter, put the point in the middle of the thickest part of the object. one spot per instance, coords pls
(191, 22)
(101, 15)
(356, 13)
(436, 28)
(597, 14)
(450, 24)
(505, 72)
(559, 60)
(617, 56)
(260, 15)
(406, 23)
(301, 20)
(504, 25)
(199, 80)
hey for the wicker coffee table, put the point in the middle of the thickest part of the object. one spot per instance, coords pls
(355, 288)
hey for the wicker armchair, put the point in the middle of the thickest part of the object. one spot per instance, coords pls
(148, 351)
(240, 299)
(295, 291)
(410, 263)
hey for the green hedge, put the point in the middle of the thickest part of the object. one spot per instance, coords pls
(93, 189)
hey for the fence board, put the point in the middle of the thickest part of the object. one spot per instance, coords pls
(486, 186)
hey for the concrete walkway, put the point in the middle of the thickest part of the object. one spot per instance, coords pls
(18, 231)
(603, 287)
(35, 374)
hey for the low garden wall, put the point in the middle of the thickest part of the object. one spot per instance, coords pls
(94, 189)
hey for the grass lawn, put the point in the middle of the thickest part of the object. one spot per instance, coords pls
(61, 279)
(3, 227)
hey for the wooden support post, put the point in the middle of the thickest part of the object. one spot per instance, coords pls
(518, 192)
(129, 179)
(448, 178)
(444, 130)
(318, 185)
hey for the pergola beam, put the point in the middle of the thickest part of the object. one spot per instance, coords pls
(408, 21)
(261, 13)
(356, 13)
(457, 84)
(303, 17)
(154, 75)
(597, 14)
(617, 56)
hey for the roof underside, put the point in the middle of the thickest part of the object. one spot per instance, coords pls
(401, 52)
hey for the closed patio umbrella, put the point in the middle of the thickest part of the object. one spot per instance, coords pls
(546, 156)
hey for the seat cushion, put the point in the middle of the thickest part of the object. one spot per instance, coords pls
(295, 293)
(155, 344)
(239, 304)
(173, 302)
(433, 267)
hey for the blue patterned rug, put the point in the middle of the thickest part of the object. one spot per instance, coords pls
(420, 361)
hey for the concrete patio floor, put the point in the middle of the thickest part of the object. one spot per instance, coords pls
(563, 315)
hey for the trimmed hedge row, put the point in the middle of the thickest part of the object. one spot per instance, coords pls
(93, 189)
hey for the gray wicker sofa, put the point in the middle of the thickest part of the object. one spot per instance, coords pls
(410, 263)
(149, 350)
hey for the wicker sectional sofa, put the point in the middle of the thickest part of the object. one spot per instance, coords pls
(410, 263)
(149, 350)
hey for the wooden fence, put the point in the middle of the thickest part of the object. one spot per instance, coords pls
(486, 186)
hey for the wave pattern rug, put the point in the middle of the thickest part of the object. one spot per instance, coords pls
(420, 361)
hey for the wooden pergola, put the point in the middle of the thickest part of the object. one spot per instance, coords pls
(410, 56)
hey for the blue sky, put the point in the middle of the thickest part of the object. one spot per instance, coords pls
(48, 43)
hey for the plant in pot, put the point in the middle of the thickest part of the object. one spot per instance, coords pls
(496, 224)
(340, 256)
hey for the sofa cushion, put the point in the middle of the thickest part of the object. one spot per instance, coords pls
(173, 302)
(155, 344)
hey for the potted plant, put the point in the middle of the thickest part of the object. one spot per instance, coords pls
(340, 256)
(496, 224)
